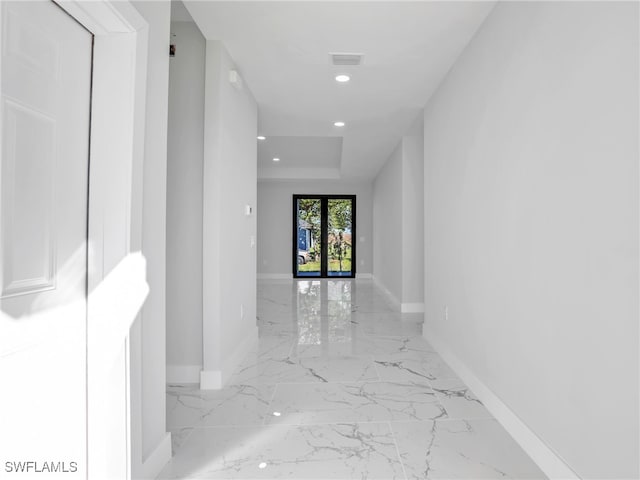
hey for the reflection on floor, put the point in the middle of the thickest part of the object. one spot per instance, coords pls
(339, 387)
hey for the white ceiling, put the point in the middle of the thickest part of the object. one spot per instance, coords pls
(282, 51)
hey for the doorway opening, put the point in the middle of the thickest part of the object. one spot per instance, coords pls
(324, 232)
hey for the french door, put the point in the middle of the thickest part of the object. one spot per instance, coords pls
(324, 233)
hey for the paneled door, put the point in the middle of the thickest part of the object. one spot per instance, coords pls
(45, 113)
(324, 229)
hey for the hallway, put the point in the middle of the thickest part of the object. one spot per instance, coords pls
(340, 386)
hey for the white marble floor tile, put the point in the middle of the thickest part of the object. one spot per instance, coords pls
(464, 449)
(412, 367)
(359, 393)
(233, 405)
(387, 328)
(300, 404)
(387, 316)
(178, 437)
(458, 400)
(268, 328)
(272, 346)
(362, 345)
(272, 371)
(343, 451)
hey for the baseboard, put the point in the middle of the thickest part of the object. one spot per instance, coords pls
(183, 373)
(274, 276)
(216, 379)
(364, 275)
(412, 307)
(159, 457)
(548, 460)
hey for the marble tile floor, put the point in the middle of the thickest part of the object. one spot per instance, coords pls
(340, 386)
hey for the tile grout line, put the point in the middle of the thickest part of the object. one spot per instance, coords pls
(184, 442)
(323, 424)
(273, 396)
(395, 442)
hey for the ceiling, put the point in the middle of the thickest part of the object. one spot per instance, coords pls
(281, 50)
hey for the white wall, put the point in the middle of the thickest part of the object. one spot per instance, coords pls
(413, 222)
(229, 254)
(531, 208)
(275, 210)
(387, 225)
(149, 433)
(398, 223)
(184, 204)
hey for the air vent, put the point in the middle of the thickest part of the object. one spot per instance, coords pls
(346, 58)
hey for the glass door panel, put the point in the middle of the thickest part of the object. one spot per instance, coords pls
(309, 245)
(339, 237)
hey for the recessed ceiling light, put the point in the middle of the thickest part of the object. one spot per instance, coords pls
(276, 159)
(260, 137)
(262, 465)
(276, 414)
(339, 124)
(343, 78)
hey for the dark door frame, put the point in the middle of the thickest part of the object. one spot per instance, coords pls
(324, 217)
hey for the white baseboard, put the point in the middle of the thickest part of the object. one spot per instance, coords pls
(215, 379)
(274, 276)
(364, 275)
(412, 307)
(183, 373)
(548, 460)
(159, 457)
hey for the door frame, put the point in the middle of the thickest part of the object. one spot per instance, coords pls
(114, 237)
(324, 215)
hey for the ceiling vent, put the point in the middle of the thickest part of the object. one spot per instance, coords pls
(342, 59)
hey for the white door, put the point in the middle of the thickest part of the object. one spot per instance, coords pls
(45, 106)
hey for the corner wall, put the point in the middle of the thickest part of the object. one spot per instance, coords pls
(387, 225)
(230, 179)
(184, 204)
(151, 444)
(398, 223)
(531, 212)
(413, 223)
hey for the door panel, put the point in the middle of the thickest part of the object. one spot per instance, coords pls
(308, 228)
(339, 237)
(44, 109)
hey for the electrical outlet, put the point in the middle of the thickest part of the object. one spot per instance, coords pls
(446, 312)
(241, 311)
